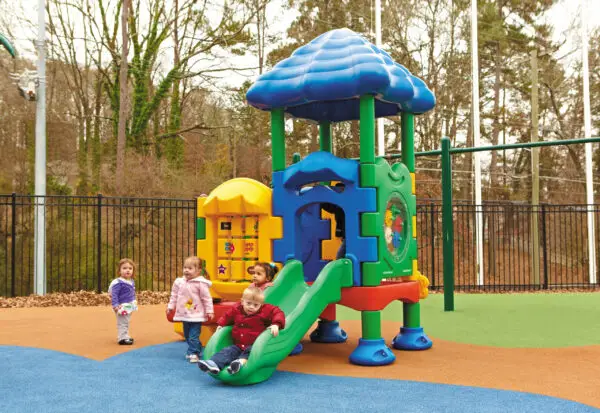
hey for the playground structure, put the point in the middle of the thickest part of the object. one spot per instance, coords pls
(339, 76)
(8, 46)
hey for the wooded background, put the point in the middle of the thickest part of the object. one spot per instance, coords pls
(187, 130)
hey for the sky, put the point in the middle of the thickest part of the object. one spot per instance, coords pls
(562, 15)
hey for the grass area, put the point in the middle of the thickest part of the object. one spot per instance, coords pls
(507, 320)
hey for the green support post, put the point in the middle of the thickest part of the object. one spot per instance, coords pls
(371, 325)
(412, 315)
(407, 122)
(278, 139)
(367, 129)
(447, 226)
(325, 142)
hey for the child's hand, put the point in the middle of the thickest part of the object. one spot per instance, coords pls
(168, 309)
(115, 308)
(210, 316)
(219, 327)
(274, 330)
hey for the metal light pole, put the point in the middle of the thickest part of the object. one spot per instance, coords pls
(476, 143)
(39, 263)
(587, 126)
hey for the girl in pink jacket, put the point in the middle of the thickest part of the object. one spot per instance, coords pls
(191, 300)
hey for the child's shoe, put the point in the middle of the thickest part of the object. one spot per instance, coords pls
(194, 358)
(126, 342)
(208, 366)
(234, 367)
(187, 357)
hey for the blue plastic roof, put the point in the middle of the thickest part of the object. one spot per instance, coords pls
(323, 80)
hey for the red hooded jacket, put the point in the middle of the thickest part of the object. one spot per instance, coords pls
(247, 328)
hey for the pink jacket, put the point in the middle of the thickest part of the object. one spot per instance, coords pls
(263, 286)
(191, 299)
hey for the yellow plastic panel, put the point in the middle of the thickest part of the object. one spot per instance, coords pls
(224, 227)
(228, 290)
(225, 248)
(248, 264)
(224, 269)
(238, 248)
(237, 270)
(237, 226)
(251, 248)
(251, 226)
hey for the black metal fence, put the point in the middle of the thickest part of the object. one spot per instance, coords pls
(508, 250)
(86, 237)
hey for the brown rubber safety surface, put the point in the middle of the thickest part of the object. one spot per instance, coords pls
(570, 373)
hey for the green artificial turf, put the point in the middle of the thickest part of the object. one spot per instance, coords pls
(507, 320)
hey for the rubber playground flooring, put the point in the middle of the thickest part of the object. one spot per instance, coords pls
(68, 355)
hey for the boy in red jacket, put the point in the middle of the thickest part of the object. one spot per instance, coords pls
(249, 319)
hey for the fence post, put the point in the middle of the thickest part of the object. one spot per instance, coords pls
(432, 228)
(544, 247)
(99, 245)
(13, 252)
(447, 225)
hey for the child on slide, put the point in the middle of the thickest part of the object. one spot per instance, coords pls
(249, 319)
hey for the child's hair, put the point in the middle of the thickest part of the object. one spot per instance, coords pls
(270, 269)
(254, 293)
(126, 261)
(196, 262)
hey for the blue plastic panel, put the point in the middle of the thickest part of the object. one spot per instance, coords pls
(302, 227)
(323, 79)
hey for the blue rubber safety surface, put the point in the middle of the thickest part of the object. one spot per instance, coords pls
(158, 379)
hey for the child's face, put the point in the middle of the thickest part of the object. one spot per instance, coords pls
(190, 271)
(260, 276)
(126, 270)
(251, 306)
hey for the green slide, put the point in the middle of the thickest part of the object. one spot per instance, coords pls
(302, 305)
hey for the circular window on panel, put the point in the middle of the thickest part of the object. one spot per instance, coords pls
(396, 227)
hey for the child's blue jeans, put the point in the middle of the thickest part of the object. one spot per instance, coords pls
(228, 354)
(191, 332)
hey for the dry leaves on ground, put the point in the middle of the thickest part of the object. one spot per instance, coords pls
(79, 299)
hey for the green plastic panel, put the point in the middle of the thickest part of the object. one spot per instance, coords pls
(302, 305)
(394, 193)
(200, 228)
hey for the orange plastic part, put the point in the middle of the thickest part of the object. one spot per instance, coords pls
(377, 298)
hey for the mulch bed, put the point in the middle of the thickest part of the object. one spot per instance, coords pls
(79, 299)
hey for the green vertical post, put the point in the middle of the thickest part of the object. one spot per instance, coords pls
(325, 143)
(412, 312)
(447, 226)
(407, 123)
(367, 129)
(278, 139)
(371, 325)
(412, 315)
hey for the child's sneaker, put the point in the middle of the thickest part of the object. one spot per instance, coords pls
(187, 357)
(194, 358)
(208, 366)
(234, 367)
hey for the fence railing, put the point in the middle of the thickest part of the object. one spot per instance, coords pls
(86, 237)
(508, 246)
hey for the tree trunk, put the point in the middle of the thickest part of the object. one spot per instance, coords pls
(123, 97)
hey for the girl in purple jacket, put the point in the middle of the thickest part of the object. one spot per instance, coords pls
(193, 305)
(122, 294)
